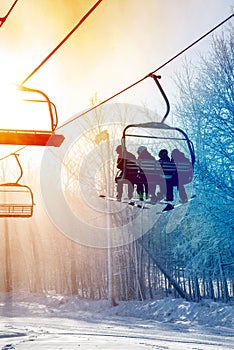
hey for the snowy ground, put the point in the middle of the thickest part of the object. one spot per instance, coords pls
(62, 323)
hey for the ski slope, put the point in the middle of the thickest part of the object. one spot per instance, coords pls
(62, 323)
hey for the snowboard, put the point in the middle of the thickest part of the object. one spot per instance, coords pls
(171, 206)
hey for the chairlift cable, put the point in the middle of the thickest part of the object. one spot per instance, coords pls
(10, 154)
(62, 42)
(3, 19)
(148, 75)
(194, 43)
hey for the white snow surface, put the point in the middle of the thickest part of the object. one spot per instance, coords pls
(62, 323)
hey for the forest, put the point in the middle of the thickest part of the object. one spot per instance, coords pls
(193, 259)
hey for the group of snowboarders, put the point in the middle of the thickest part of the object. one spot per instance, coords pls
(154, 178)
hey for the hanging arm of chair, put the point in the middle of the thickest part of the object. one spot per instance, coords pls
(53, 120)
(156, 79)
(21, 169)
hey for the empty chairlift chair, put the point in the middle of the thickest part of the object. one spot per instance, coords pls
(34, 137)
(16, 200)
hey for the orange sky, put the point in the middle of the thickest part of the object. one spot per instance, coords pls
(119, 43)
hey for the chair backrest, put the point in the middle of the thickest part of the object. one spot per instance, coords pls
(16, 201)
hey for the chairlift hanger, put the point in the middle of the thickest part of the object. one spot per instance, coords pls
(16, 200)
(160, 126)
(34, 137)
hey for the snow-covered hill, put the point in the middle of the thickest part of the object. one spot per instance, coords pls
(58, 322)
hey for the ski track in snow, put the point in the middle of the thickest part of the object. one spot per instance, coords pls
(68, 323)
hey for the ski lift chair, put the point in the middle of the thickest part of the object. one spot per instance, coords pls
(16, 200)
(34, 137)
(160, 132)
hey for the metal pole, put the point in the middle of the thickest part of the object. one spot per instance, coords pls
(104, 136)
(110, 292)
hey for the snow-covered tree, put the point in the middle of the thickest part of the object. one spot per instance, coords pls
(206, 109)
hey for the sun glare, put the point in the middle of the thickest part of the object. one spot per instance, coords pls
(23, 110)
(20, 109)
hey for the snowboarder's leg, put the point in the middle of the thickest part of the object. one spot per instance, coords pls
(182, 194)
(120, 183)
